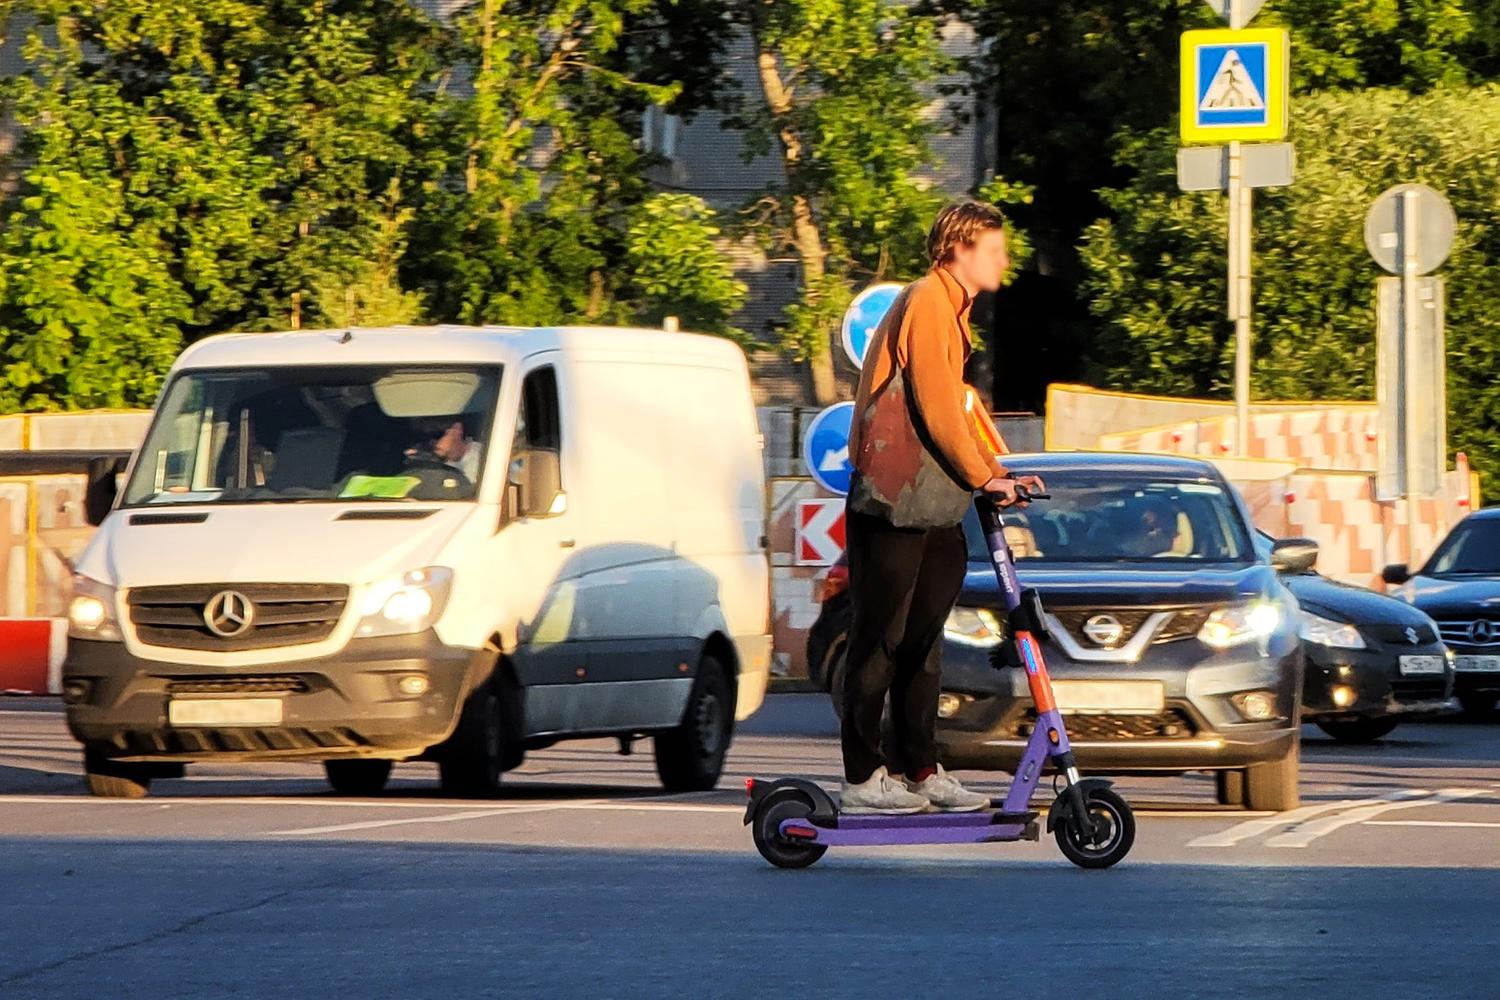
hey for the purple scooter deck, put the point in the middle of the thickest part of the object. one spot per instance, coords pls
(873, 829)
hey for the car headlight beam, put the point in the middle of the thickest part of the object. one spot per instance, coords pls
(1241, 623)
(1327, 632)
(402, 605)
(973, 627)
(91, 613)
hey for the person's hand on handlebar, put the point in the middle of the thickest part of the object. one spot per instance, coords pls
(1004, 489)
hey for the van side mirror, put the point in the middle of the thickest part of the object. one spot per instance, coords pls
(1294, 555)
(1395, 573)
(99, 495)
(535, 483)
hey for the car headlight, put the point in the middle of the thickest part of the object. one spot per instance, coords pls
(1327, 632)
(91, 613)
(405, 604)
(973, 627)
(1231, 626)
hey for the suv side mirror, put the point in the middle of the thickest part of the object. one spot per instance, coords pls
(1294, 555)
(99, 495)
(1395, 573)
(535, 483)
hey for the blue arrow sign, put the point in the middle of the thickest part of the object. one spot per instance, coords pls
(825, 448)
(863, 316)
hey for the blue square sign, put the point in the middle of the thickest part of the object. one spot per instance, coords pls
(1234, 85)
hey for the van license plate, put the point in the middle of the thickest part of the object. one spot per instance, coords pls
(1109, 697)
(1414, 665)
(1477, 664)
(224, 712)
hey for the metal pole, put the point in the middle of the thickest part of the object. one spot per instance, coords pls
(1411, 320)
(1239, 273)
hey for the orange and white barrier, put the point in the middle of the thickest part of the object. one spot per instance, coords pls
(31, 655)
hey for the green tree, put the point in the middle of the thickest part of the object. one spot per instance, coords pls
(845, 88)
(677, 268)
(1155, 268)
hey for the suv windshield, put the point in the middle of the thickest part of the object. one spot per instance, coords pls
(317, 433)
(1471, 549)
(1109, 517)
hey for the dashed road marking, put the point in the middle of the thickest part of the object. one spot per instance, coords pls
(1256, 827)
(1457, 824)
(1306, 834)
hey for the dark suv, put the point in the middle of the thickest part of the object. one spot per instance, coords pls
(1173, 646)
(1460, 588)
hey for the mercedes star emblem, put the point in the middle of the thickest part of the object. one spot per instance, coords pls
(1105, 630)
(1482, 631)
(228, 613)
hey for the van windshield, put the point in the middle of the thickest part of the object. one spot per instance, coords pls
(1102, 517)
(351, 433)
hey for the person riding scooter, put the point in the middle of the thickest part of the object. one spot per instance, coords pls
(918, 458)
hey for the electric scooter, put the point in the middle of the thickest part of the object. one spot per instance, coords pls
(794, 821)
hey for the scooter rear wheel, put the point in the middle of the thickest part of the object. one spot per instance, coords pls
(766, 829)
(1112, 837)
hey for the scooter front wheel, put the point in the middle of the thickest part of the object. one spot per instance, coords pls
(1110, 839)
(766, 829)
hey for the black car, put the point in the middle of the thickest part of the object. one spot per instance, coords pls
(1372, 660)
(1459, 586)
(1173, 644)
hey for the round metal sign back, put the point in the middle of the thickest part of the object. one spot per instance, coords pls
(1436, 226)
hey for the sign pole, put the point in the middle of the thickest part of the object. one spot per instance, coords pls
(1239, 271)
(1410, 323)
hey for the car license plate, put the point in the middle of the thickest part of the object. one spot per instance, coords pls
(1413, 665)
(1477, 664)
(1109, 697)
(224, 712)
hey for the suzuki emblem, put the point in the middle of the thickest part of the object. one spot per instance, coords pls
(228, 613)
(1411, 635)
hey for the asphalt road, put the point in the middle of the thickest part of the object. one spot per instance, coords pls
(583, 880)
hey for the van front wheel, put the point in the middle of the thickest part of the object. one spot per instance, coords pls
(471, 763)
(113, 779)
(691, 757)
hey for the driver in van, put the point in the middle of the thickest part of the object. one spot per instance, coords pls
(444, 439)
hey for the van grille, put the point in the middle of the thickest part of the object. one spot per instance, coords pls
(282, 614)
(237, 685)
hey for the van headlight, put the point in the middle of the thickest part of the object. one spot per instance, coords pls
(91, 613)
(1327, 632)
(973, 627)
(404, 604)
(1231, 626)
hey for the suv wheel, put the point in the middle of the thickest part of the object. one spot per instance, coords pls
(690, 758)
(1358, 730)
(1229, 788)
(1272, 787)
(113, 779)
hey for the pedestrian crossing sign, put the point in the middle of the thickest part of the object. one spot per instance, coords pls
(1234, 85)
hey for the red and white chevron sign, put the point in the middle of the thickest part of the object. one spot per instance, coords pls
(31, 655)
(820, 531)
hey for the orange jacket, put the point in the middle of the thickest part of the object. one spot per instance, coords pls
(917, 450)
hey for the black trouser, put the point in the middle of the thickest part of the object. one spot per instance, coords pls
(902, 584)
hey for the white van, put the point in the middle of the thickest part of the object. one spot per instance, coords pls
(456, 544)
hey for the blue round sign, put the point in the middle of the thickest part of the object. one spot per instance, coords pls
(863, 316)
(825, 448)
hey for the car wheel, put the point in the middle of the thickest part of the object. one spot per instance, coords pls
(113, 779)
(1358, 730)
(1479, 706)
(472, 761)
(1229, 787)
(1272, 787)
(690, 758)
(357, 777)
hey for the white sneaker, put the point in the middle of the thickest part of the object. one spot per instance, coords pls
(945, 793)
(879, 794)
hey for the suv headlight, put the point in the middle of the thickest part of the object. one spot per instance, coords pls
(91, 613)
(1327, 632)
(1231, 626)
(973, 627)
(404, 604)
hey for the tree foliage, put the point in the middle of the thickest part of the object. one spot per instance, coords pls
(1155, 269)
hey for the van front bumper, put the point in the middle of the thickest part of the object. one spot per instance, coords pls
(344, 705)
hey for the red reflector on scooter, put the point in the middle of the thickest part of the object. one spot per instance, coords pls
(800, 831)
(749, 786)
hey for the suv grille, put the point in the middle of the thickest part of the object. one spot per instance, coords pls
(1459, 631)
(1169, 725)
(1184, 623)
(282, 614)
(237, 685)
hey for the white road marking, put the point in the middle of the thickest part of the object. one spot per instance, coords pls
(1304, 835)
(377, 823)
(1256, 827)
(1432, 822)
(518, 810)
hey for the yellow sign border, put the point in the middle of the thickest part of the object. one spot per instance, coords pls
(1278, 59)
